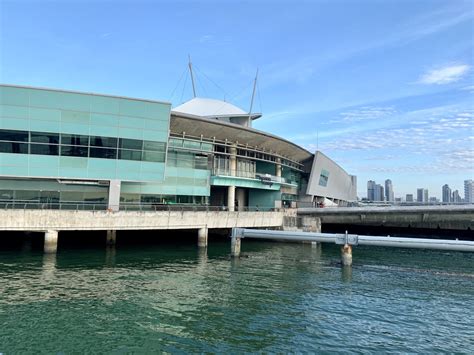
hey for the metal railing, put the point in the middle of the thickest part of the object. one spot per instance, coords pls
(125, 206)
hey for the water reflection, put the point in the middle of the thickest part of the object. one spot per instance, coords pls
(346, 273)
(110, 253)
(49, 266)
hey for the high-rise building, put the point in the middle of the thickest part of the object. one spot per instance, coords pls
(378, 194)
(456, 197)
(409, 198)
(389, 195)
(422, 195)
(446, 192)
(371, 190)
(468, 191)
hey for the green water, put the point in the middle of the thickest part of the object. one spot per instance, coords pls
(279, 298)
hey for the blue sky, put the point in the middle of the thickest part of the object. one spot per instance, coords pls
(385, 88)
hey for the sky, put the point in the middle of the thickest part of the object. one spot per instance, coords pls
(384, 88)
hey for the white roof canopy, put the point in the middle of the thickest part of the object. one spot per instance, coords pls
(210, 108)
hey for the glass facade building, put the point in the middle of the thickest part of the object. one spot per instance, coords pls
(64, 149)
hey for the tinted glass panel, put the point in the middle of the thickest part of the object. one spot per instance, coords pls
(13, 147)
(44, 149)
(73, 151)
(153, 156)
(41, 137)
(131, 143)
(156, 146)
(130, 154)
(106, 153)
(74, 139)
(103, 141)
(18, 136)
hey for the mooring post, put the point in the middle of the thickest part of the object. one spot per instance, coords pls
(346, 252)
(235, 243)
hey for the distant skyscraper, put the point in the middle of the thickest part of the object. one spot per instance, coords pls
(468, 191)
(379, 195)
(456, 197)
(446, 193)
(389, 196)
(371, 190)
(422, 195)
(409, 198)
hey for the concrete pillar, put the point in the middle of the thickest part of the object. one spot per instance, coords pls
(111, 237)
(346, 255)
(278, 167)
(235, 247)
(202, 237)
(233, 160)
(114, 195)
(50, 241)
(231, 198)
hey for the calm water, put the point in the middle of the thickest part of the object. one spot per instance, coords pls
(280, 298)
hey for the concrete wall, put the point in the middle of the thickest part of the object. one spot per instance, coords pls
(431, 217)
(40, 220)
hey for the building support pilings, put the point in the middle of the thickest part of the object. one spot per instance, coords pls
(202, 237)
(231, 198)
(50, 241)
(111, 237)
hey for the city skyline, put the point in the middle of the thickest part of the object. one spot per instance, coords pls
(384, 89)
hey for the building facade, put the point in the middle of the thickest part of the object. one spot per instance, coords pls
(64, 149)
(469, 191)
(389, 194)
(446, 193)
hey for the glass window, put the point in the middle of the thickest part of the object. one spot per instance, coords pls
(206, 147)
(17, 136)
(13, 147)
(98, 141)
(41, 137)
(105, 153)
(154, 156)
(175, 142)
(130, 154)
(156, 146)
(192, 144)
(73, 151)
(200, 162)
(130, 143)
(74, 139)
(323, 178)
(44, 149)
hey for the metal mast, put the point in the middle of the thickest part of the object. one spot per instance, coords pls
(253, 95)
(192, 76)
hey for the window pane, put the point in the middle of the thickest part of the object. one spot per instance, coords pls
(200, 162)
(153, 156)
(131, 143)
(40, 137)
(103, 153)
(73, 151)
(130, 154)
(44, 149)
(74, 139)
(103, 141)
(18, 136)
(192, 144)
(156, 146)
(13, 147)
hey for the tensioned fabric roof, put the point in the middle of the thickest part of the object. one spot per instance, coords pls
(196, 126)
(204, 107)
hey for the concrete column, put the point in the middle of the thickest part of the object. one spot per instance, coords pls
(50, 241)
(235, 247)
(202, 237)
(233, 160)
(278, 167)
(231, 198)
(111, 237)
(346, 255)
(114, 195)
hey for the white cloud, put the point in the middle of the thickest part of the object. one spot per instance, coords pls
(444, 75)
(365, 114)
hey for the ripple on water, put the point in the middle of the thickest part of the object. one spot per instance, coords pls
(281, 298)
